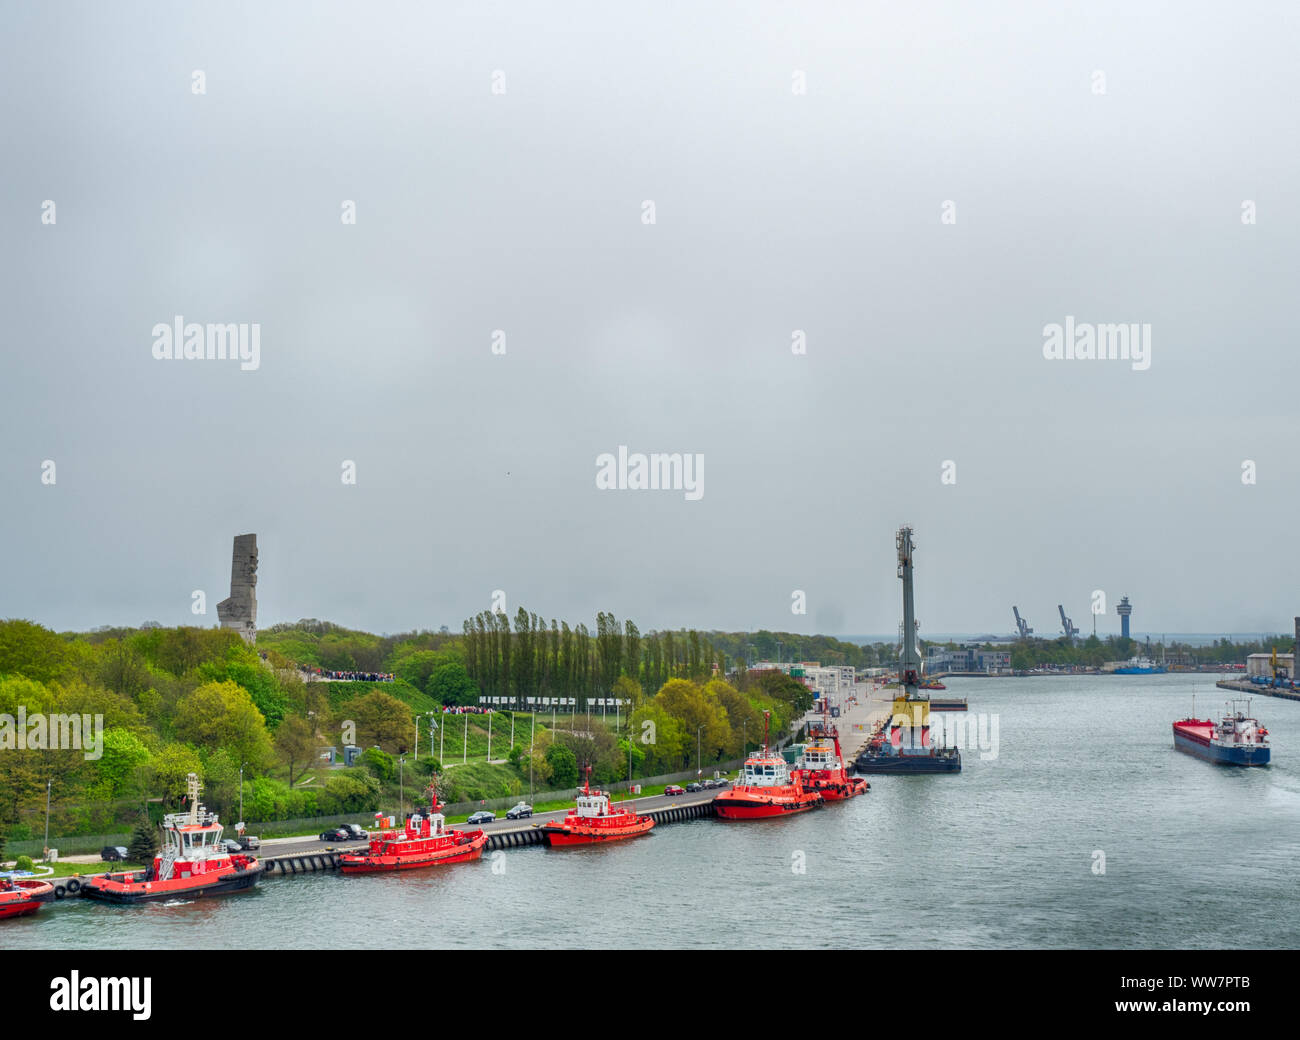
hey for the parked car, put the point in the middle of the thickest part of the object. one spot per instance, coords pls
(482, 816)
(709, 784)
(722, 781)
(674, 789)
(113, 853)
(520, 812)
(229, 845)
(335, 834)
(693, 787)
(249, 842)
(354, 832)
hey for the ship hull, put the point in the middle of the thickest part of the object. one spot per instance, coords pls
(557, 836)
(180, 888)
(733, 808)
(1193, 744)
(25, 899)
(840, 792)
(365, 863)
(907, 764)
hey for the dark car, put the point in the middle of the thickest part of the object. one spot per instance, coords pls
(482, 816)
(520, 812)
(230, 845)
(722, 781)
(337, 834)
(355, 832)
(693, 787)
(674, 789)
(113, 853)
(709, 784)
(249, 842)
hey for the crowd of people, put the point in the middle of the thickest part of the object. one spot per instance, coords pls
(326, 673)
(465, 709)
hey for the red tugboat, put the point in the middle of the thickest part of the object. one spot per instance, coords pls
(21, 894)
(593, 821)
(822, 766)
(192, 862)
(425, 841)
(766, 788)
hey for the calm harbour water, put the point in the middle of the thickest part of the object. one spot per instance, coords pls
(998, 856)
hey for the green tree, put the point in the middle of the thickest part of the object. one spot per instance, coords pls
(451, 684)
(222, 714)
(380, 719)
(295, 743)
(143, 845)
(564, 766)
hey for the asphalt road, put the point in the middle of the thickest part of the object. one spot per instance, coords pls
(298, 846)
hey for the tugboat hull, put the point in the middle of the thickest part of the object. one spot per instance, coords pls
(107, 890)
(365, 863)
(559, 836)
(730, 808)
(25, 898)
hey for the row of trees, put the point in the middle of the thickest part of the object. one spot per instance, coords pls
(537, 659)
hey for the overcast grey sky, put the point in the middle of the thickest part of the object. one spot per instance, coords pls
(775, 211)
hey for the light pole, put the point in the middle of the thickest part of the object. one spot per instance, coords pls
(442, 743)
(48, 782)
(532, 733)
(489, 757)
(401, 793)
(744, 729)
(464, 748)
(241, 791)
(698, 770)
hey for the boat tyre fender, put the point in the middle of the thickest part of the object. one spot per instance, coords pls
(60, 891)
(74, 886)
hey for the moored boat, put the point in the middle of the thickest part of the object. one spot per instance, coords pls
(424, 841)
(191, 863)
(821, 767)
(766, 788)
(22, 894)
(592, 821)
(1235, 740)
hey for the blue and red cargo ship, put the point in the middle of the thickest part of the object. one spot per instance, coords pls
(1236, 740)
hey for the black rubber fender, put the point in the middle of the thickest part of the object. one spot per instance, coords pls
(60, 891)
(74, 887)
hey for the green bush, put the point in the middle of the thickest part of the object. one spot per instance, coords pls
(380, 763)
(24, 863)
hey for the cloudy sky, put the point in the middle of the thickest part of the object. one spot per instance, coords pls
(917, 192)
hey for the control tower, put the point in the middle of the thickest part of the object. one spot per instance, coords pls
(1124, 610)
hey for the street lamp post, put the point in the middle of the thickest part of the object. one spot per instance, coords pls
(489, 758)
(464, 748)
(442, 743)
(698, 769)
(241, 791)
(401, 792)
(48, 782)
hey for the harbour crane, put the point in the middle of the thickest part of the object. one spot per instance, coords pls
(1071, 630)
(1022, 626)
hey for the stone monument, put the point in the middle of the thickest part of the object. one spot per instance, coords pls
(240, 610)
